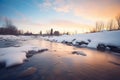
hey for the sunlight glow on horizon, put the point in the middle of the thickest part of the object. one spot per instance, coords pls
(61, 15)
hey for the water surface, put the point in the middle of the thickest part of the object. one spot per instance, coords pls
(58, 63)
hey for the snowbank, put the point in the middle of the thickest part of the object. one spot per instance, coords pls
(89, 40)
(14, 38)
(15, 55)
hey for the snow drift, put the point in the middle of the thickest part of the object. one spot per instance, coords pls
(15, 55)
(89, 40)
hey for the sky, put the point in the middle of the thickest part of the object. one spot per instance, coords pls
(63, 15)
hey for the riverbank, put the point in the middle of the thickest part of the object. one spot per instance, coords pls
(106, 40)
(15, 51)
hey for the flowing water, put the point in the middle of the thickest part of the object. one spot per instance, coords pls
(58, 63)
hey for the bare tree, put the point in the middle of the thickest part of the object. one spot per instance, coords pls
(99, 26)
(8, 22)
(110, 25)
(118, 21)
(11, 29)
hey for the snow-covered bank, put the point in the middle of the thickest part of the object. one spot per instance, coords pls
(14, 55)
(89, 40)
(12, 37)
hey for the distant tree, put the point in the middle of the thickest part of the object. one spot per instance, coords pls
(2, 30)
(111, 25)
(28, 33)
(40, 32)
(9, 28)
(118, 21)
(67, 33)
(51, 31)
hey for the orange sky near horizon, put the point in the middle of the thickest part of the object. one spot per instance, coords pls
(63, 15)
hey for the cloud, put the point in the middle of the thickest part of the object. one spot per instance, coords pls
(91, 9)
(44, 6)
(64, 9)
(104, 9)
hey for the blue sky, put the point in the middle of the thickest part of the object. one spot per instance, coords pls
(63, 15)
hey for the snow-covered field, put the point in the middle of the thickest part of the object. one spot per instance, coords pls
(89, 40)
(16, 54)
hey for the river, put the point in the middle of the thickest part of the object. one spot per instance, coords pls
(58, 63)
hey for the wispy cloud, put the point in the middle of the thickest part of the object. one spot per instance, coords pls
(60, 14)
(100, 9)
(43, 6)
(64, 9)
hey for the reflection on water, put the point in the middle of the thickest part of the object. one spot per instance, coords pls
(60, 64)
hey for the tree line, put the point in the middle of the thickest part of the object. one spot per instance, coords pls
(111, 25)
(10, 29)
